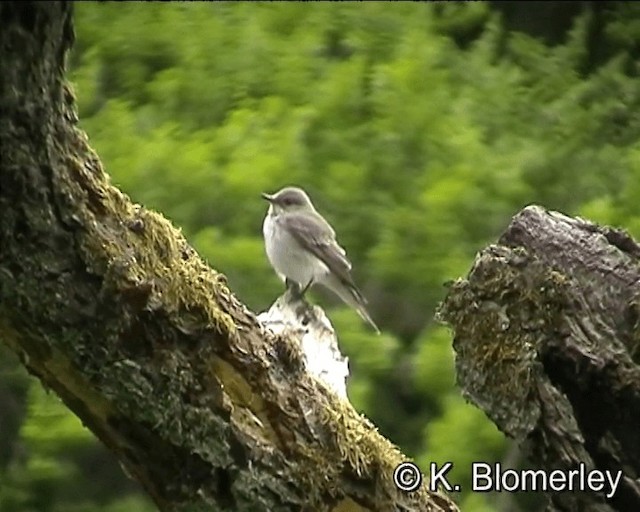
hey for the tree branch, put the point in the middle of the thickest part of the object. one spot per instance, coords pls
(109, 306)
(547, 340)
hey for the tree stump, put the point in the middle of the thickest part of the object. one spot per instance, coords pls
(547, 341)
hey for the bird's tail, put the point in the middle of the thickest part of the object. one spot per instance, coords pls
(350, 294)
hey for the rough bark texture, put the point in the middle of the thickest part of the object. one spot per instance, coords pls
(547, 340)
(109, 306)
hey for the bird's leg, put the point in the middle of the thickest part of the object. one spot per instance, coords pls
(304, 290)
(293, 287)
(296, 291)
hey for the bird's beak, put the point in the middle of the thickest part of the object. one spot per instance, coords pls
(268, 197)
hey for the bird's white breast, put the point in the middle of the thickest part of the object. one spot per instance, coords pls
(286, 256)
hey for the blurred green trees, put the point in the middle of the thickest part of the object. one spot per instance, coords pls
(418, 130)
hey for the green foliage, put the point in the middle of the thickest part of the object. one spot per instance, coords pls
(418, 129)
(433, 364)
(49, 425)
(476, 439)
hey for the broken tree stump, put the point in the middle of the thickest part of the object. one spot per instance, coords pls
(547, 340)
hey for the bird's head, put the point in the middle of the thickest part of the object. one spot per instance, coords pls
(289, 199)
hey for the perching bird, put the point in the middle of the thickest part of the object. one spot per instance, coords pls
(302, 248)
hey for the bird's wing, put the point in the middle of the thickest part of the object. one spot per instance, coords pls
(315, 234)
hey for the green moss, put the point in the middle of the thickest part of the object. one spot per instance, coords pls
(138, 249)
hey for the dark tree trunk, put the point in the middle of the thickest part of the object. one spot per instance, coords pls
(108, 305)
(547, 340)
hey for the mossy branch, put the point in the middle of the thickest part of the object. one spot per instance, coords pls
(109, 306)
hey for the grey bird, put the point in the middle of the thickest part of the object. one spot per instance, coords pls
(302, 248)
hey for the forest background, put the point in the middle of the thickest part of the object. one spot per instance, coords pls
(419, 130)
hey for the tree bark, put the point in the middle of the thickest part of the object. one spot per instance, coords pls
(109, 306)
(547, 341)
